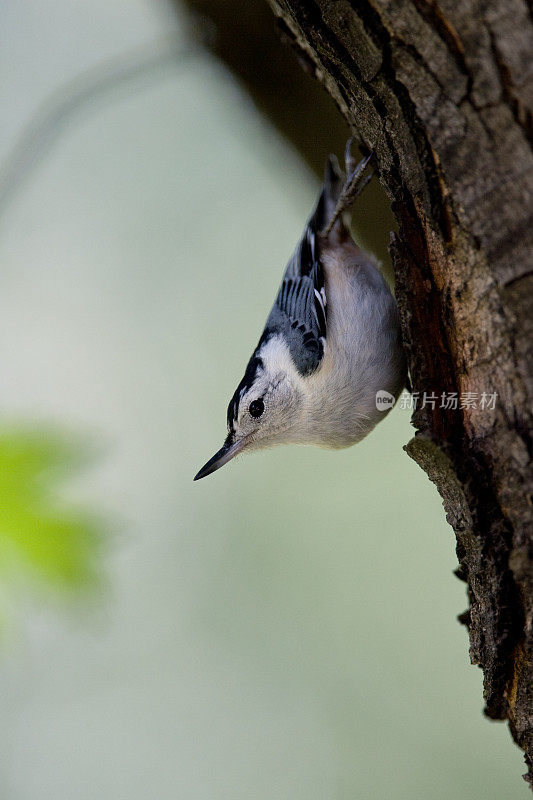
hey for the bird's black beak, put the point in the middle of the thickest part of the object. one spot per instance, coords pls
(228, 451)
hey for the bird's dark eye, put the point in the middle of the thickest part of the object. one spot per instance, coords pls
(256, 407)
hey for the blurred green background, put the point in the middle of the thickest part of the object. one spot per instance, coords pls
(283, 629)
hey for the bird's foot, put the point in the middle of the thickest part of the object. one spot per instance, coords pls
(355, 178)
(353, 186)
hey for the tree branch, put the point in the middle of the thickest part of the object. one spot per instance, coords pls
(443, 94)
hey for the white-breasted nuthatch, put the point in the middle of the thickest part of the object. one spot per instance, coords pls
(330, 344)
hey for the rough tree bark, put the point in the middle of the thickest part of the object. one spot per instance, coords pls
(443, 94)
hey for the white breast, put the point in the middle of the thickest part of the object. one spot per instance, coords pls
(363, 352)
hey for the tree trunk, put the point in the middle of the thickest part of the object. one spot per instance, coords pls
(442, 93)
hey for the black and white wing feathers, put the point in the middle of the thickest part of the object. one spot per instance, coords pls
(299, 313)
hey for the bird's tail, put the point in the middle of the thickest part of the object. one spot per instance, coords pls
(334, 181)
(327, 219)
(328, 200)
(340, 191)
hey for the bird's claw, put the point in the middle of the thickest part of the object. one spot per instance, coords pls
(354, 184)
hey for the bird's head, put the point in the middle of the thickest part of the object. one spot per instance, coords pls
(266, 406)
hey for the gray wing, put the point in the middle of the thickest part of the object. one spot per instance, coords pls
(299, 314)
(300, 310)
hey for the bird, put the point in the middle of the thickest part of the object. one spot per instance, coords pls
(330, 363)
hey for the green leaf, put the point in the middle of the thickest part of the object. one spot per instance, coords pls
(40, 532)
